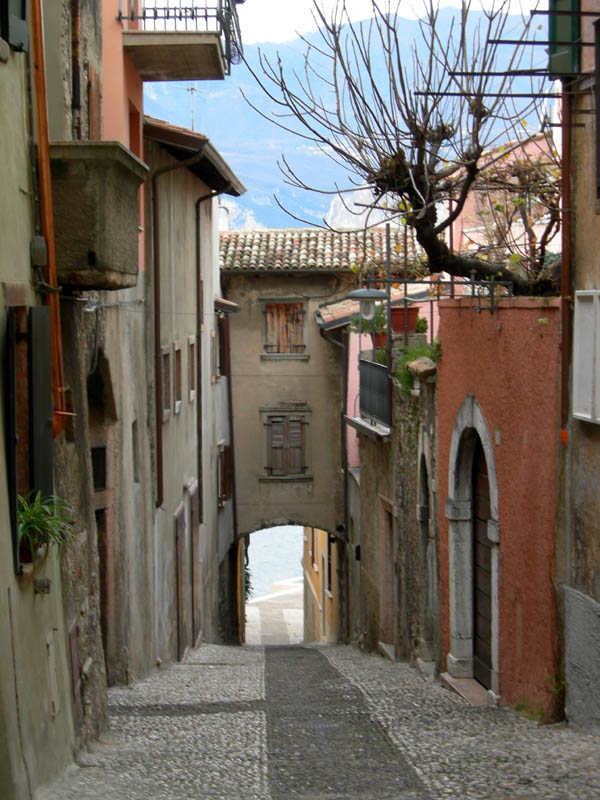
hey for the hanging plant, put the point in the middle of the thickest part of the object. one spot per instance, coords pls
(42, 522)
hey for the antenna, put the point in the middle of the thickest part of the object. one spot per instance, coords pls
(193, 90)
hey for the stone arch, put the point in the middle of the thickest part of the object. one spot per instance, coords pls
(469, 426)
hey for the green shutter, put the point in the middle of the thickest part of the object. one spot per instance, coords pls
(14, 24)
(564, 60)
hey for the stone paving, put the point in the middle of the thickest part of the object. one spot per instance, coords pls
(215, 727)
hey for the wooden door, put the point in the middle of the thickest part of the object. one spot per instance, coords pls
(482, 572)
(183, 578)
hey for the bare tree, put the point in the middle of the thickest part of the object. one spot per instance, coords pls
(416, 138)
(514, 209)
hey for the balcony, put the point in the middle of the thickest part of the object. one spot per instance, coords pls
(95, 195)
(374, 397)
(181, 40)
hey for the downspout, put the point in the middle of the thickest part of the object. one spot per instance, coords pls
(47, 218)
(566, 301)
(344, 596)
(566, 293)
(189, 162)
(76, 75)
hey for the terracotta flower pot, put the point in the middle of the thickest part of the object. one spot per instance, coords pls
(380, 339)
(412, 315)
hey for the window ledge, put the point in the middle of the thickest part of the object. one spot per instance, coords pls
(284, 478)
(284, 356)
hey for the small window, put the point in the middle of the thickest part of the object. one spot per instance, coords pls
(99, 468)
(225, 476)
(191, 368)
(223, 345)
(166, 382)
(284, 328)
(135, 454)
(178, 378)
(213, 356)
(286, 446)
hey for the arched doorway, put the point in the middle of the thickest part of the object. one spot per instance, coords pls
(473, 538)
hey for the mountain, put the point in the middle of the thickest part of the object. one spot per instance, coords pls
(252, 145)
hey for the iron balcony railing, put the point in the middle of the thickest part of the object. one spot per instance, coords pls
(218, 16)
(374, 397)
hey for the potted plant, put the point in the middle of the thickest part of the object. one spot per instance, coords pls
(399, 316)
(40, 523)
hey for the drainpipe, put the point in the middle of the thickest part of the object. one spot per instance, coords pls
(189, 162)
(566, 295)
(344, 598)
(76, 76)
(47, 217)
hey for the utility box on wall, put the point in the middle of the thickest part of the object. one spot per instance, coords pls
(96, 213)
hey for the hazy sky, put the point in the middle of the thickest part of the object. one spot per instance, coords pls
(281, 20)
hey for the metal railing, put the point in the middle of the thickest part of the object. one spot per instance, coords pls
(374, 397)
(219, 16)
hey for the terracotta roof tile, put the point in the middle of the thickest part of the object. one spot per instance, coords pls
(307, 249)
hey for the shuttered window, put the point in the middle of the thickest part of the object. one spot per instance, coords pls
(225, 477)
(284, 328)
(13, 23)
(29, 411)
(286, 450)
(223, 354)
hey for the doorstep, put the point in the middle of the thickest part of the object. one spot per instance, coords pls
(469, 689)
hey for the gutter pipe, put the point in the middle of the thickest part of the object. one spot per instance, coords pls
(59, 420)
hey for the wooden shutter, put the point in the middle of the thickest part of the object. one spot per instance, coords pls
(295, 315)
(295, 449)
(40, 399)
(183, 605)
(271, 329)
(275, 445)
(15, 28)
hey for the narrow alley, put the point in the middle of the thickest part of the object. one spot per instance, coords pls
(328, 722)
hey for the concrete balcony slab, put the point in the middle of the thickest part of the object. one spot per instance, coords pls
(176, 55)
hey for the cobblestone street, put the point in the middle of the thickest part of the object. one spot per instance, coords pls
(327, 723)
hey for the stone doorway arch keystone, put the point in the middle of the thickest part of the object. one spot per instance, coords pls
(469, 428)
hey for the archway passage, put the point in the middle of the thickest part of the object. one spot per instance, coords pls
(482, 571)
(274, 601)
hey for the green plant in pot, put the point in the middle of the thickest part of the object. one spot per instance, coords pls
(376, 325)
(42, 522)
